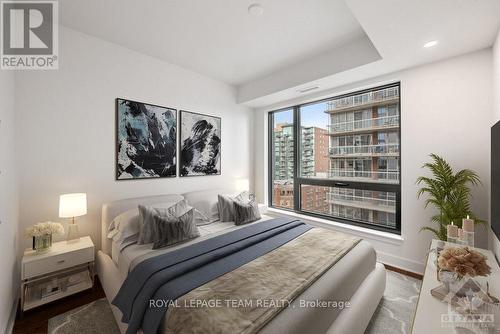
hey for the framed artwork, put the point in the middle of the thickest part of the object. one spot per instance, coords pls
(146, 140)
(200, 144)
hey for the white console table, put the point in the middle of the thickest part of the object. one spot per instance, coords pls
(428, 315)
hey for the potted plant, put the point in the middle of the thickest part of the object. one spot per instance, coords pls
(449, 193)
(42, 234)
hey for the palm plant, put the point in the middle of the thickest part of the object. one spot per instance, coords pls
(449, 193)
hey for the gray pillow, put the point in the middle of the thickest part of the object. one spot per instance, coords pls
(172, 230)
(245, 213)
(225, 204)
(146, 219)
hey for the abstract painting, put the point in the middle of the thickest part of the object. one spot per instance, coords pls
(146, 140)
(200, 144)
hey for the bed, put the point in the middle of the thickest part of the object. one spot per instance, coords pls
(356, 278)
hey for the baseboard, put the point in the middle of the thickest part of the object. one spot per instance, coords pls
(12, 318)
(404, 272)
(401, 263)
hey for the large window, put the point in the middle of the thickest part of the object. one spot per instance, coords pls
(339, 158)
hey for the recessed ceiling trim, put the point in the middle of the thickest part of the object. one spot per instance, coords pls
(307, 89)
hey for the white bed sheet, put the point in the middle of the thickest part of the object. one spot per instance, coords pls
(131, 255)
(339, 283)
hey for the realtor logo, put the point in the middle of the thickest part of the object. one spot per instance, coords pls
(29, 33)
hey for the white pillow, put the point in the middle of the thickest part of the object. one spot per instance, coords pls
(124, 226)
(205, 202)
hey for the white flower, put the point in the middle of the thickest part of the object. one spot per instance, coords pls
(40, 229)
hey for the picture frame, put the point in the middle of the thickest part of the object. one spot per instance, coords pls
(146, 140)
(200, 144)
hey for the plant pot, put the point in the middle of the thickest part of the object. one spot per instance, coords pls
(42, 243)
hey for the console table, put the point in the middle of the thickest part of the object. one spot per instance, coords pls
(431, 313)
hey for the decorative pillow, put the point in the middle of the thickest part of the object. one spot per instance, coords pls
(225, 205)
(172, 230)
(146, 218)
(245, 213)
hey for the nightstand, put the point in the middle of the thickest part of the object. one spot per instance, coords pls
(66, 268)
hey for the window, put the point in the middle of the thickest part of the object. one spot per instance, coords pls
(283, 159)
(339, 158)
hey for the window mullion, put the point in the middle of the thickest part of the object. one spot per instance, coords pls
(296, 157)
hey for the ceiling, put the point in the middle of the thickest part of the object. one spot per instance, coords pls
(398, 29)
(218, 38)
(295, 44)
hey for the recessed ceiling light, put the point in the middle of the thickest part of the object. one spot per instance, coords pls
(430, 44)
(256, 9)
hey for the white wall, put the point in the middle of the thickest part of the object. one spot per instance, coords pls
(494, 242)
(8, 201)
(66, 127)
(445, 109)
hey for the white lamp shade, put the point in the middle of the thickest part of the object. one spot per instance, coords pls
(242, 185)
(72, 205)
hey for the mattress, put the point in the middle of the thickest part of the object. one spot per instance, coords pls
(339, 283)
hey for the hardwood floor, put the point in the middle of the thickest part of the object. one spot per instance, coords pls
(36, 321)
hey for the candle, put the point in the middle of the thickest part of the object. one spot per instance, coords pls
(468, 231)
(468, 224)
(460, 234)
(452, 232)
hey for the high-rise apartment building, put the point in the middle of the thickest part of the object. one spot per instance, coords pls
(364, 147)
(314, 163)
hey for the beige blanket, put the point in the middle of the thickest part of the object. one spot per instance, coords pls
(244, 300)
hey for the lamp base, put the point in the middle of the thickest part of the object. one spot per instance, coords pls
(73, 234)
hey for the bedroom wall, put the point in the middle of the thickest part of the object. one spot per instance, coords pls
(8, 203)
(66, 128)
(494, 242)
(445, 109)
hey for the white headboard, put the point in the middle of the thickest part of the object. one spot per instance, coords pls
(112, 209)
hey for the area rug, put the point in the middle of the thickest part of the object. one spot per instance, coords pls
(393, 315)
(93, 318)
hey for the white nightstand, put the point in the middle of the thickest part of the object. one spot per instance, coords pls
(66, 268)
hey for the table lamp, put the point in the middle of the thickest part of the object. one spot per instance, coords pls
(71, 206)
(242, 185)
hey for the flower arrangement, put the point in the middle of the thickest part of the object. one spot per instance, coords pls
(45, 228)
(463, 261)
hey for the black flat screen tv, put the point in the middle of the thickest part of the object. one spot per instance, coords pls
(495, 179)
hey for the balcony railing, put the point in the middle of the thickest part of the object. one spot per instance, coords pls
(391, 176)
(365, 124)
(368, 150)
(362, 99)
(368, 202)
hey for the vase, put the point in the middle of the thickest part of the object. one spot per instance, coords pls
(451, 281)
(458, 285)
(42, 243)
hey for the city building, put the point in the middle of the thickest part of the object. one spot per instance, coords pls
(364, 147)
(314, 163)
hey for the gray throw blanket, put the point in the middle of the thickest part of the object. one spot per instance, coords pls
(169, 276)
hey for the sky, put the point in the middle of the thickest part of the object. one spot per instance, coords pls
(310, 115)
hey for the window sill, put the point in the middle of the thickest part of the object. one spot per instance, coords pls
(357, 230)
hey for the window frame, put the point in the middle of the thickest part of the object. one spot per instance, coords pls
(298, 180)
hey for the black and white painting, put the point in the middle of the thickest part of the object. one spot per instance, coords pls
(200, 144)
(146, 140)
